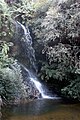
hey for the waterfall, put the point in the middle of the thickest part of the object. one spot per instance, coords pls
(38, 85)
(27, 41)
(31, 55)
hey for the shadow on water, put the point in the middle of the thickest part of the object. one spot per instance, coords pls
(44, 109)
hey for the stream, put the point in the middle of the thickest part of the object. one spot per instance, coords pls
(42, 109)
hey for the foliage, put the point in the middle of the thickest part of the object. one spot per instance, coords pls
(6, 29)
(60, 34)
(60, 62)
(4, 58)
(73, 89)
(11, 12)
(62, 24)
(11, 82)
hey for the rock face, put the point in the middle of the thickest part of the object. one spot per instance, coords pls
(31, 89)
(0, 102)
(0, 106)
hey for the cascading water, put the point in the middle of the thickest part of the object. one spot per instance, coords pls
(38, 85)
(31, 55)
(27, 41)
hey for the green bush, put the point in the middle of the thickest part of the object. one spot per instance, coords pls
(11, 80)
(60, 62)
(6, 28)
(73, 89)
(11, 84)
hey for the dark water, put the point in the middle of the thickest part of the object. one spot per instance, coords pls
(42, 110)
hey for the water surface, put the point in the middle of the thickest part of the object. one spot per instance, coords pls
(42, 110)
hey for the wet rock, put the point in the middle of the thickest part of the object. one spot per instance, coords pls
(32, 91)
(0, 102)
(0, 106)
(0, 115)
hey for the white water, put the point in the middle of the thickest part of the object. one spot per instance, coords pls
(29, 51)
(59, 1)
(38, 85)
(40, 88)
(31, 76)
(26, 33)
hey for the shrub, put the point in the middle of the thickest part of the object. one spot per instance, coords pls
(11, 84)
(11, 81)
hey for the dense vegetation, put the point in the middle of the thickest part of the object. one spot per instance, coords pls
(11, 79)
(56, 33)
(59, 31)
